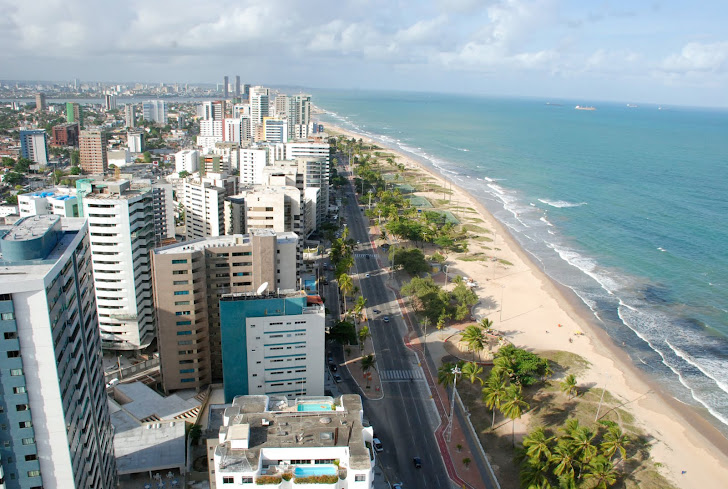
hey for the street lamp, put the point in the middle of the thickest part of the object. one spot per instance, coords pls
(456, 371)
(445, 267)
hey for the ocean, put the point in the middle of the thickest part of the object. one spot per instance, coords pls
(626, 206)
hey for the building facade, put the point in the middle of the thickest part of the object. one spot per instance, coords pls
(155, 111)
(40, 102)
(34, 145)
(130, 115)
(189, 279)
(56, 428)
(92, 150)
(187, 160)
(135, 141)
(121, 225)
(65, 134)
(204, 208)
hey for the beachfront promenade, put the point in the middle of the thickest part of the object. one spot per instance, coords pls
(414, 383)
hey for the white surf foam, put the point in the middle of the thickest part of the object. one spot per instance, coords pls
(561, 203)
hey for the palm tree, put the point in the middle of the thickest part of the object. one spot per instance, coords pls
(486, 324)
(563, 458)
(472, 371)
(359, 306)
(346, 285)
(494, 393)
(364, 334)
(535, 475)
(581, 441)
(445, 376)
(602, 472)
(614, 441)
(367, 363)
(568, 385)
(514, 407)
(474, 338)
(503, 366)
(538, 445)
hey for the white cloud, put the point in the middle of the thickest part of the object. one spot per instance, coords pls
(697, 57)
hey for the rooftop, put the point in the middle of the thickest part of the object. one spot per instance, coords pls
(277, 422)
(150, 447)
(202, 244)
(143, 403)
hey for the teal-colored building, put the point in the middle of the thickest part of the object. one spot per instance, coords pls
(272, 345)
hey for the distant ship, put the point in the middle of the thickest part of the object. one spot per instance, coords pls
(632, 106)
(555, 105)
(584, 107)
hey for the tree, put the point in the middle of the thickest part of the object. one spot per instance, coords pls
(184, 174)
(472, 371)
(486, 324)
(346, 285)
(568, 385)
(364, 334)
(474, 339)
(359, 306)
(75, 157)
(75, 170)
(581, 440)
(147, 157)
(564, 460)
(602, 473)
(445, 375)
(524, 367)
(194, 433)
(13, 178)
(535, 475)
(538, 445)
(367, 363)
(8, 162)
(514, 406)
(343, 332)
(11, 199)
(614, 441)
(494, 393)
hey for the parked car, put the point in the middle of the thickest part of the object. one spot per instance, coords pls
(418, 462)
(376, 442)
(396, 485)
(337, 378)
(376, 311)
(333, 367)
(112, 383)
(385, 319)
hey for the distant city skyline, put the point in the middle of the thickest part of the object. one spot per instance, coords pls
(664, 52)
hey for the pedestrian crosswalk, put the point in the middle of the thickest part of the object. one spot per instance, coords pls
(363, 255)
(400, 375)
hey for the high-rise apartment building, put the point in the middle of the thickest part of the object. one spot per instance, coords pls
(92, 150)
(186, 160)
(34, 145)
(204, 208)
(56, 428)
(109, 101)
(237, 86)
(55, 201)
(135, 141)
(272, 345)
(213, 110)
(189, 279)
(246, 93)
(317, 173)
(163, 207)
(65, 134)
(280, 208)
(275, 130)
(251, 164)
(121, 225)
(74, 113)
(130, 115)
(40, 102)
(259, 108)
(225, 87)
(155, 111)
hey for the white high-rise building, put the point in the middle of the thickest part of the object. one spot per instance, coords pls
(275, 130)
(130, 115)
(252, 162)
(259, 107)
(60, 202)
(34, 145)
(204, 208)
(135, 141)
(163, 207)
(280, 208)
(241, 110)
(57, 431)
(231, 130)
(155, 111)
(121, 223)
(186, 160)
(212, 111)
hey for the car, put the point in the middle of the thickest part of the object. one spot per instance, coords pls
(376, 311)
(377, 443)
(366, 256)
(333, 367)
(337, 378)
(385, 319)
(368, 275)
(417, 461)
(112, 383)
(397, 485)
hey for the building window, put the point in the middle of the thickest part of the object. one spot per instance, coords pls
(28, 441)
(19, 390)
(360, 477)
(178, 262)
(7, 316)
(182, 303)
(11, 335)
(25, 424)
(34, 473)
(228, 480)
(183, 333)
(180, 282)
(246, 480)
(31, 457)
(182, 292)
(21, 407)
(13, 354)
(187, 371)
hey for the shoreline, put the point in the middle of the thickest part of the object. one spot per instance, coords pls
(683, 439)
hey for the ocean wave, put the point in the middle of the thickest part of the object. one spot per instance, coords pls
(545, 221)
(561, 203)
(709, 371)
(587, 265)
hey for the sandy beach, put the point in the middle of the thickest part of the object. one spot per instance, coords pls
(535, 313)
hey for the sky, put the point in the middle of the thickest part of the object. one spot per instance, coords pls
(664, 52)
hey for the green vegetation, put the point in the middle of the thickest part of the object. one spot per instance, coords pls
(436, 304)
(344, 333)
(411, 260)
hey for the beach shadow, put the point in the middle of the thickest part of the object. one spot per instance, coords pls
(488, 302)
(558, 415)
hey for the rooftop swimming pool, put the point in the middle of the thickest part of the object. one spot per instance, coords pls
(309, 470)
(315, 406)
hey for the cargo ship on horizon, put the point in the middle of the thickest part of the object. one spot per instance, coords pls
(584, 107)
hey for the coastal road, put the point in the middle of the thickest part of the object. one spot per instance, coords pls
(404, 419)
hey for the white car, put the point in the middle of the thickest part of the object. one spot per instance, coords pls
(376, 442)
(112, 383)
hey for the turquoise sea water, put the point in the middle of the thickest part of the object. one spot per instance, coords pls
(627, 206)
